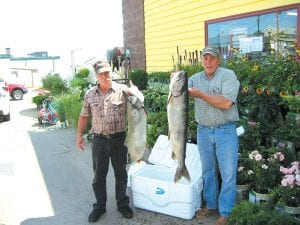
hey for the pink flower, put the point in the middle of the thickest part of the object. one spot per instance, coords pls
(290, 170)
(296, 164)
(284, 182)
(297, 178)
(290, 179)
(253, 154)
(283, 170)
(281, 157)
(258, 157)
(251, 123)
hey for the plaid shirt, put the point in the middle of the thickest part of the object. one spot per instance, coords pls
(225, 83)
(108, 110)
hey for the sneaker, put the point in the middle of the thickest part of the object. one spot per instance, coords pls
(126, 212)
(96, 214)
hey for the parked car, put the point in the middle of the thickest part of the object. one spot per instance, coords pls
(4, 105)
(16, 89)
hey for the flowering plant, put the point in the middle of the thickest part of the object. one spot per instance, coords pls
(266, 169)
(245, 174)
(288, 193)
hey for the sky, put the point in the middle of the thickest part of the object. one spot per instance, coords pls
(86, 27)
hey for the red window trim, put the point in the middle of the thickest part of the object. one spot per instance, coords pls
(260, 12)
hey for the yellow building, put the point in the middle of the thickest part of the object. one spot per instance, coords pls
(177, 30)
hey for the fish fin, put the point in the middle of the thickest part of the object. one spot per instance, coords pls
(182, 173)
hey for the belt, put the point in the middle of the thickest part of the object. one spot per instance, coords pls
(218, 126)
(109, 136)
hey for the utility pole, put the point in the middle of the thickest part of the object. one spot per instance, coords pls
(73, 66)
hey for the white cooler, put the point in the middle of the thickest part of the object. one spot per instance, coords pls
(153, 186)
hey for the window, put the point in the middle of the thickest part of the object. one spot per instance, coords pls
(257, 34)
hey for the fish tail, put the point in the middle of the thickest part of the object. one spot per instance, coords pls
(182, 172)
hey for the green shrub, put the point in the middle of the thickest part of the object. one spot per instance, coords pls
(81, 82)
(38, 100)
(55, 84)
(83, 73)
(158, 124)
(139, 78)
(73, 103)
(191, 69)
(161, 77)
(155, 99)
(255, 214)
(61, 103)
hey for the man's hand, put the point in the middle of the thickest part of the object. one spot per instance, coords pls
(80, 142)
(193, 92)
(82, 122)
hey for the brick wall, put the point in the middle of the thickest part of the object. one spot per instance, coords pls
(134, 31)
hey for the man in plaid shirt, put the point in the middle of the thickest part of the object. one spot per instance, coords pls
(106, 105)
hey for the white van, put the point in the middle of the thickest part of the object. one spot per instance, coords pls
(4, 104)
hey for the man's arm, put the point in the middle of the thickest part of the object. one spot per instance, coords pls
(82, 124)
(217, 101)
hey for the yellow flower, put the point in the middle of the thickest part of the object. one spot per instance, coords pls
(290, 78)
(255, 68)
(268, 91)
(259, 90)
(245, 89)
(283, 93)
(244, 58)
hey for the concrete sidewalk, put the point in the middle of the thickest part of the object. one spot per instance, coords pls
(112, 216)
(45, 180)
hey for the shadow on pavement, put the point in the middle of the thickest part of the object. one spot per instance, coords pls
(33, 113)
(67, 174)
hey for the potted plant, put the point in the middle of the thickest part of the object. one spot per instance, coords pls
(245, 173)
(265, 165)
(245, 176)
(288, 193)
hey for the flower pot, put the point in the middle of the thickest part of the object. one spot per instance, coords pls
(292, 210)
(242, 192)
(297, 119)
(258, 198)
(242, 187)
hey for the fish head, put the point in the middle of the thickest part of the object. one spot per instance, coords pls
(178, 83)
(134, 97)
(135, 102)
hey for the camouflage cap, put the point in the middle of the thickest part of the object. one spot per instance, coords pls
(102, 66)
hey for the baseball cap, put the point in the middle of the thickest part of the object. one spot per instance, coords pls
(210, 50)
(102, 66)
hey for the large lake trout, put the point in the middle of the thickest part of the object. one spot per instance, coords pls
(177, 110)
(137, 123)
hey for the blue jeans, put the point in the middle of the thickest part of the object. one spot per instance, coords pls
(218, 148)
